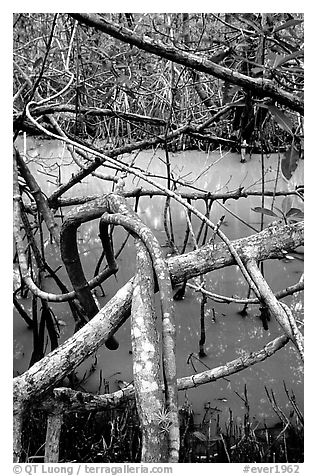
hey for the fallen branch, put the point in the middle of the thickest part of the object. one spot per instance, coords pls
(195, 195)
(75, 401)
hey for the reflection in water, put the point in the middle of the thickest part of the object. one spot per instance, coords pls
(228, 334)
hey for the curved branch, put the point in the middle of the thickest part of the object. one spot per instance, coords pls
(71, 260)
(145, 344)
(226, 299)
(135, 226)
(17, 221)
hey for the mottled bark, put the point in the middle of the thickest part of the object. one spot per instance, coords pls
(53, 433)
(146, 348)
(267, 244)
(18, 413)
(168, 416)
(147, 376)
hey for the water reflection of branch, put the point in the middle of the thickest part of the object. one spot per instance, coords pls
(208, 204)
(225, 184)
(260, 180)
(236, 216)
(190, 361)
(206, 169)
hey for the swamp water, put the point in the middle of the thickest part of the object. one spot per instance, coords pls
(228, 334)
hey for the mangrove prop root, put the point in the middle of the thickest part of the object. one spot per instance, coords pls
(137, 228)
(71, 260)
(147, 360)
(145, 345)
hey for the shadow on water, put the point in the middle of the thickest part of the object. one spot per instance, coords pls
(228, 334)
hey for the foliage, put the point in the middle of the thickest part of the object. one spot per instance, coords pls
(110, 74)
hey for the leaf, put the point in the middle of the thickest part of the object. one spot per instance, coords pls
(287, 24)
(296, 256)
(200, 435)
(289, 162)
(273, 59)
(107, 65)
(284, 59)
(258, 69)
(37, 62)
(289, 257)
(283, 121)
(281, 211)
(265, 211)
(294, 215)
(295, 212)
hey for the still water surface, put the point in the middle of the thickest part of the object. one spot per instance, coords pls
(229, 335)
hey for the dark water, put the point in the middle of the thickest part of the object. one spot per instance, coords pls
(229, 335)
